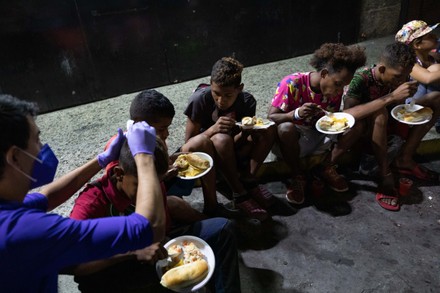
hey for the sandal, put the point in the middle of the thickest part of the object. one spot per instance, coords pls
(388, 202)
(295, 191)
(419, 172)
(262, 196)
(252, 209)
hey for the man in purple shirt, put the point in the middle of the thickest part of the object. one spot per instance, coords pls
(35, 245)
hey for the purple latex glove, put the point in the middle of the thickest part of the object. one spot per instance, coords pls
(112, 152)
(141, 138)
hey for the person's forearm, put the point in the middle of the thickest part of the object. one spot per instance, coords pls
(149, 200)
(425, 76)
(362, 111)
(281, 117)
(96, 266)
(63, 188)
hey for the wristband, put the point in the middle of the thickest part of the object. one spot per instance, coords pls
(296, 114)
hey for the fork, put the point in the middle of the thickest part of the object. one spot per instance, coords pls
(411, 107)
(327, 113)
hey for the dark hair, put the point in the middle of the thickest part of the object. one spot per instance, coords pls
(227, 72)
(150, 106)
(14, 124)
(127, 162)
(397, 55)
(335, 56)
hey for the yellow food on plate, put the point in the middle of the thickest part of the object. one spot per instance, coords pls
(333, 124)
(190, 165)
(414, 116)
(249, 122)
(259, 121)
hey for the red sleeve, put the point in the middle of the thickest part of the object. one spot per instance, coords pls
(90, 204)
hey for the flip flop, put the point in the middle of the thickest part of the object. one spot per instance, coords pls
(383, 204)
(419, 172)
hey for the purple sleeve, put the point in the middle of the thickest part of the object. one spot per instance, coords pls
(48, 242)
(36, 201)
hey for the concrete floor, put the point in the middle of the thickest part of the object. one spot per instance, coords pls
(337, 243)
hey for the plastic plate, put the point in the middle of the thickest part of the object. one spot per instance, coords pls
(395, 114)
(338, 115)
(208, 256)
(266, 124)
(204, 156)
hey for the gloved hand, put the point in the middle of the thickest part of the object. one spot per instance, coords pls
(141, 138)
(112, 152)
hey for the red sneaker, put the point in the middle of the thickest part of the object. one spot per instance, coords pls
(251, 208)
(295, 191)
(262, 196)
(333, 179)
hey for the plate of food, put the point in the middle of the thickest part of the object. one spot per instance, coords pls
(254, 123)
(418, 115)
(335, 123)
(191, 263)
(193, 165)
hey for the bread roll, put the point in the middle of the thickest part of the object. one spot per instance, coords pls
(247, 121)
(197, 161)
(185, 275)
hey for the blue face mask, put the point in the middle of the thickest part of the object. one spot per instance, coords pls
(45, 167)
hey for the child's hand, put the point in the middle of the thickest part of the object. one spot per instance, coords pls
(224, 125)
(151, 254)
(405, 90)
(170, 174)
(308, 110)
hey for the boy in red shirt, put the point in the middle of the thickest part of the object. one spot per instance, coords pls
(114, 195)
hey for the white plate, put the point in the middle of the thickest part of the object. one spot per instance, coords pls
(394, 114)
(338, 115)
(204, 156)
(208, 256)
(266, 124)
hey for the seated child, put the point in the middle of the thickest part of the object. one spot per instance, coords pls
(426, 71)
(297, 105)
(369, 94)
(212, 115)
(114, 194)
(158, 111)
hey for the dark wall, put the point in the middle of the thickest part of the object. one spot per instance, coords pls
(68, 52)
(427, 10)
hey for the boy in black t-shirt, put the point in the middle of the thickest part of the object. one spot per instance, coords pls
(212, 115)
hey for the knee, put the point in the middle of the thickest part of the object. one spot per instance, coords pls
(198, 143)
(286, 130)
(381, 119)
(222, 140)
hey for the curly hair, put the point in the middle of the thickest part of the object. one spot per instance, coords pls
(14, 124)
(227, 72)
(335, 56)
(150, 106)
(397, 55)
(127, 162)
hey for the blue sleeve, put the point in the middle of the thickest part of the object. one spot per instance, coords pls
(44, 243)
(36, 201)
